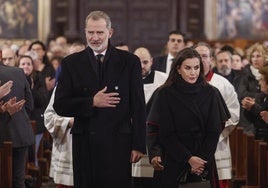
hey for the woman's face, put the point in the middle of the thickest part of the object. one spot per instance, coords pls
(264, 85)
(26, 64)
(236, 62)
(257, 59)
(39, 50)
(190, 70)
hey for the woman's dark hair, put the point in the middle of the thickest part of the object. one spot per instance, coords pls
(33, 73)
(45, 58)
(186, 53)
(25, 56)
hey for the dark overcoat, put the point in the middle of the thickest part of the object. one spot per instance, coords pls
(160, 63)
(102, 137)
(190, 125)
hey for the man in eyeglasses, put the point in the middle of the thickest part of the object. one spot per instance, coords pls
(8, 57)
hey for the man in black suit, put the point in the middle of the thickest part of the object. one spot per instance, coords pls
(18, 128)
(105, 96)
(175, 43)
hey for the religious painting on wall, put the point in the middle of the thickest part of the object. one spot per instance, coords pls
(18, 19)
(242, 19)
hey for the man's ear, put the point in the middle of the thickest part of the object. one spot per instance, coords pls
(111, 31)
(212, 58)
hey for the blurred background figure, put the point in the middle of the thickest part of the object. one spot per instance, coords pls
(9, 57)
(142, 171)
(122, 46)
(175, 43)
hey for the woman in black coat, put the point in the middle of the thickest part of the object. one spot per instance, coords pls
(190, 114)
(256, 109)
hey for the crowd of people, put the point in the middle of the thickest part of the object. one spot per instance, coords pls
(126, 119)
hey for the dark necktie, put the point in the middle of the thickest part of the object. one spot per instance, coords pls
(100, 67)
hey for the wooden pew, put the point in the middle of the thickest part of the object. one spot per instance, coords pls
(239, 155)
(257, 172)
(246, 155)
(44, 157)
(252, 164)
(262, 162)
(233, 148)
(32, 170)
(6, 165)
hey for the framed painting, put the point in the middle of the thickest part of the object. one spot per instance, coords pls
(18, 19)
(242, 19)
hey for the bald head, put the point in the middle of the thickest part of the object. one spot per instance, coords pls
(146, 60)
(142, 52)
(8, 57)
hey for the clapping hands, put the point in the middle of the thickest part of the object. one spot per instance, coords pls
(248, 102)
(5, 89)
(12, 106)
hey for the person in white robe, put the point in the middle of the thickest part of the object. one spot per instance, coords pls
(151, 81)
(223, 152)
(61, 168)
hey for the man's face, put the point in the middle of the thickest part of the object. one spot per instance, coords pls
(224, 63)
(206, 58)
(146, 64)
(97, 35)
(8, 57)
(175, 44)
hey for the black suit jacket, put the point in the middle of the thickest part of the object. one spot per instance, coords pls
(19, 127)
(160, 63)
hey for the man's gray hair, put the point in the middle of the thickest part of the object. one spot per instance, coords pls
(96, 15)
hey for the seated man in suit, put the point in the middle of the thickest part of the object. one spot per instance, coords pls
(175, 43)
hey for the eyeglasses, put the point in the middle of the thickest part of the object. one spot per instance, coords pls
(7, 58)
(36, 49)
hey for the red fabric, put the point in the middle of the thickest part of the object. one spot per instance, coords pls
(223, 183)
(209, 75)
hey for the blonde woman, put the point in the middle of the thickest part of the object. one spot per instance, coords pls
(249, 82)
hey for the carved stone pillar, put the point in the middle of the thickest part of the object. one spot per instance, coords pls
(72, 32)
